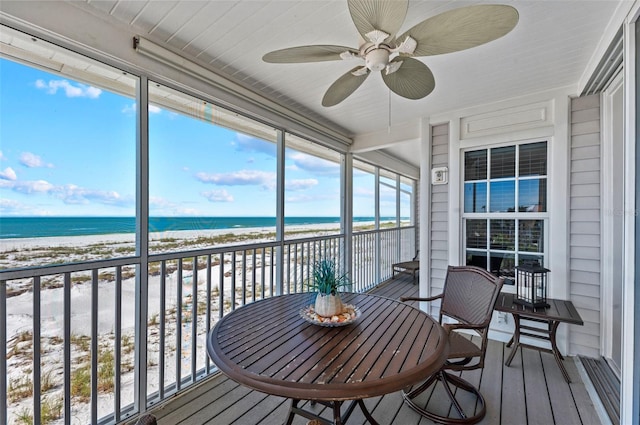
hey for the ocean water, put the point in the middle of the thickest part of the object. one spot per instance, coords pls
(38, 227)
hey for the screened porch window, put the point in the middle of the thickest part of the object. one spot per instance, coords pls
(505, 207)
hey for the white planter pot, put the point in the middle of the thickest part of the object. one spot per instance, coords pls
(328, 305)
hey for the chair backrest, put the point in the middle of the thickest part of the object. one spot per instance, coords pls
(470, 294)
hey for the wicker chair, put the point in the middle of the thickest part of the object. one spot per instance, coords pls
(469, 297)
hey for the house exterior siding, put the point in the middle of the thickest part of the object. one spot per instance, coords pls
(439, 211)
(585, 223)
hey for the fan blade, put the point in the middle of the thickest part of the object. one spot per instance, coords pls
(385, 15)
(303, 54)
(343, 87)
(462, 28)
(413, 80)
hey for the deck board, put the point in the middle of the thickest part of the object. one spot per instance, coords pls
(530, 391)
(537, 396)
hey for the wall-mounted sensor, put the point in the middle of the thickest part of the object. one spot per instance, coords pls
(439, 175)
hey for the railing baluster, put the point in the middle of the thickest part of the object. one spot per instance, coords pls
(67, 347)
(253, 275)
(221, 287)
(287, 275)
(3, 357)
(163, 315)
(118, 343)
(207, 320)
(272, 272)
(179, 326)
(244, 276)
(307, 263)
(295, 268)
(233, 280)
(262, 274)
(94, 346)
(194, 319)
(36, 350)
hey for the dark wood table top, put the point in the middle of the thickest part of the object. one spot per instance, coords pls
(559, 310)
(268, 346)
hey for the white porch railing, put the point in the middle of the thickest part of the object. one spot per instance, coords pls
(375, 251)
(98, 342)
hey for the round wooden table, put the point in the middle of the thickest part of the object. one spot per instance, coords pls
(268, 346)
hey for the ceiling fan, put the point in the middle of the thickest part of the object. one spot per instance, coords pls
(378, 21)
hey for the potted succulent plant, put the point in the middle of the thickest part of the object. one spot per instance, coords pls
(326, 280)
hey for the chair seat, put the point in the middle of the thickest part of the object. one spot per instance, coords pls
(410, 265)
(460, 346)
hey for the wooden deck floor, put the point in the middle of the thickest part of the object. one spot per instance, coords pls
(531, 391)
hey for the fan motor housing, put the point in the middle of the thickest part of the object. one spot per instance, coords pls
(377, 59)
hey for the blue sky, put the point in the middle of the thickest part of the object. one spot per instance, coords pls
(68, 149)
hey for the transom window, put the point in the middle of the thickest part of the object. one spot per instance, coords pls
(505, 207)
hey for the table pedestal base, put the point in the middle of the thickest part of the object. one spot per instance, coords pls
(338, 418)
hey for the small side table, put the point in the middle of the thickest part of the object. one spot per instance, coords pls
(559, 311)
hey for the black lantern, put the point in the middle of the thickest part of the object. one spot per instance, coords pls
(531, 285)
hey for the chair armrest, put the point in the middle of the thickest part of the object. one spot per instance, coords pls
(404, 299)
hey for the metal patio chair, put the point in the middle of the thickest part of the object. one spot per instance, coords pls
(409, 267)
(469, 297)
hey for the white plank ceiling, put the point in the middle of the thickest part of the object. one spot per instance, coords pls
(549, 48)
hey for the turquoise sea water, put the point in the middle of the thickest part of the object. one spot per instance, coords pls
(37, 227)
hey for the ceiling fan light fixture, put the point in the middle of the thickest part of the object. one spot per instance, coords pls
(377, 37)
(360, 71)
(393, 67)
(408, 46)
(377, 59)
(347, 55)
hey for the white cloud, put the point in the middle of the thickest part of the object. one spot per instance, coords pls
(69, 194)
(129, 109)
(8, 174)
(315, 164)
(158, 202)
(73, 194)
(245, 143)
(300, 184)
(9, 204)
(165, 208)
(218, 196)
(2, 157)
(300, 198)
(35, 186)
(31, 160)
(79, 90)
(240, 178)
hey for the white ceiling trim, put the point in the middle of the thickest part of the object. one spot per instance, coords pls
(398, 133)
(390, 163)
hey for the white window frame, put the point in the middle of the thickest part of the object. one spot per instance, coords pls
(516, 215)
